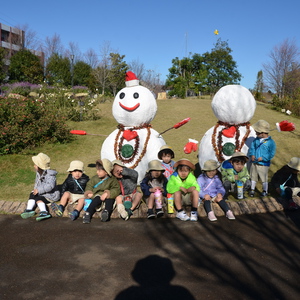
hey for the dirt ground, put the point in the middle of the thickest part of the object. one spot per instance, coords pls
(254, 257)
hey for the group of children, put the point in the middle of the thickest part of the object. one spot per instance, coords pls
(116, 185)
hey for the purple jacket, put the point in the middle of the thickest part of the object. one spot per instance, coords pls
(210, 186)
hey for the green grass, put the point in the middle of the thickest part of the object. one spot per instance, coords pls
(17, 173)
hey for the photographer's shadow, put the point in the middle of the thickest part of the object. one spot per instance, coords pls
(154, 274)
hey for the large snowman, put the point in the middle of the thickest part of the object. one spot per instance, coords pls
(135, 143)
(234, 106)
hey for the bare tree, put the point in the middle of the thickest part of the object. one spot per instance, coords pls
(91, 58)
(73, 50)
(137, 68)
(101, 73)
(31, 41)
(53, 45)
(284, 59)
(152, 81)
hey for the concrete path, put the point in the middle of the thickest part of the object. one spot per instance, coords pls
(256, 256)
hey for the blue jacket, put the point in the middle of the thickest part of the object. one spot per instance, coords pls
(210, 186)
(266, 150)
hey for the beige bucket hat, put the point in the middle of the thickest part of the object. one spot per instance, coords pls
(210, 165)
(239, 154)
(185, 162)
(161, 150)
(155, 165)
(76, 165)
(107, 165)
(42, 161)
(294, 163)
(261, 126)
(118, 162)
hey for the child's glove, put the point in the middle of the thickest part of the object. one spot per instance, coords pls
(192, 145)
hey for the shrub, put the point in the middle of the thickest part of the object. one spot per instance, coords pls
(22, 88)
(74, 104)
(27, 123)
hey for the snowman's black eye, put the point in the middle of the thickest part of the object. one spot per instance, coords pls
(122, 95)
(136, 95)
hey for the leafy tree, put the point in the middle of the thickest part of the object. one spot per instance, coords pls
(203, 73)
(2, 65)
(259, 86)
(220, 66)
(117, 71)
(58, 70)
(25, 66)
(82, 73)
(199, 74)
(180, 78)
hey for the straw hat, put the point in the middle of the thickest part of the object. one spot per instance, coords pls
(155, 165)
(118, 162)
(210, 165)
(161, 150)
(42, 161)
(107, 165)
(261, 126)
(294, 163)
(239, 154)
(184, 162)
(76, 165)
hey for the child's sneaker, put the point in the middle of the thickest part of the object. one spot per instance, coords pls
(129, 213)
(182, 216)
(58, 209)
(150, 214)
(104, 216)
(86, 218)
(43, 215)
(194, 216)
(159, 213)
(293, 206)
(74, 215)
(264, 194)
(251, 193)
(122, 211)
(230, 215)
(211, 216)
(27, 214)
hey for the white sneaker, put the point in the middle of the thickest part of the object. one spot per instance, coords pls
(230, 215)
(194, 216)
(121, 210)
(182, 216)
(211, 216)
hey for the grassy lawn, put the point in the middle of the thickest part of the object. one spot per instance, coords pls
(17, 173)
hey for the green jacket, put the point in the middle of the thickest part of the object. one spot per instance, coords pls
(228, 173)
(109, 185)
(175, 182)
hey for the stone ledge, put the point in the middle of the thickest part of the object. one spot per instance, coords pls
(245, 206)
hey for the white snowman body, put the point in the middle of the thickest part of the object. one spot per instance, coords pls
(134, 107)
(233, 106)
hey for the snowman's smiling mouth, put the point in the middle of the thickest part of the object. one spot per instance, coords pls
(133, 108)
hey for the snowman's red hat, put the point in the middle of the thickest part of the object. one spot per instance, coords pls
(131, 79)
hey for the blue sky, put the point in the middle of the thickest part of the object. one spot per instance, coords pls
(154, 32)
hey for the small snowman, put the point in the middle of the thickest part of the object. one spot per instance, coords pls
(134, 142)
(234, 106)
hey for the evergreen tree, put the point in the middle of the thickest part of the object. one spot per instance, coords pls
(58, 70)
(25, 66)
